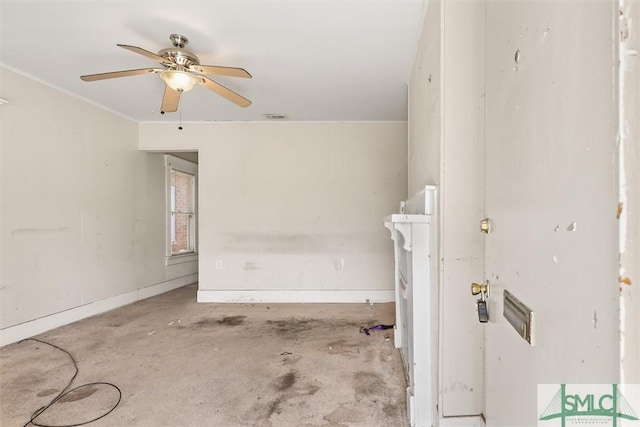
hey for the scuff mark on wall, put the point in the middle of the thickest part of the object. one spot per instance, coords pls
(625, 280)
(38, 230)
(623, 26)
(250, 266)
(516, 59)
(457, 387)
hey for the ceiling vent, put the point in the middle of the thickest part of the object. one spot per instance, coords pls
(275, 116)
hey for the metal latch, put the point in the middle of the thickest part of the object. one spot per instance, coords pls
(481, 304)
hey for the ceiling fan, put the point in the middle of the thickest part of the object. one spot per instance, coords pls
(181, 72)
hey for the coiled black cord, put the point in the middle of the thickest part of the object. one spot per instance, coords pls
(65, 391)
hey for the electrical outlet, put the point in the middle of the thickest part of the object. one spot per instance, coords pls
(219, 264)
(312, 265)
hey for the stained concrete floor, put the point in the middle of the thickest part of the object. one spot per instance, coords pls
(179, 363)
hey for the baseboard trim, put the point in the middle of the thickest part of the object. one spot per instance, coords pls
(467, 421)
(28, 329)
(296, 296)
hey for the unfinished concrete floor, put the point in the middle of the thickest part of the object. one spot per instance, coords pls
(179, 363)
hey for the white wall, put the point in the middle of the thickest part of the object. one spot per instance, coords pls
(425, 104)
(446, 131)
(83, 211)
(293, 211)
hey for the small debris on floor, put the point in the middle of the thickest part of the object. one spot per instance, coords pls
(151, 333)
(285, 353)
(375, 328)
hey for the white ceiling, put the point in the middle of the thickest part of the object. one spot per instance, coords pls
(311, 60)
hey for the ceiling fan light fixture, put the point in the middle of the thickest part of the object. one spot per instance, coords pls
(180, 81)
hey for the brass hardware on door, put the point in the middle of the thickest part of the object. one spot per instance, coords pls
(481, 304)
(485, 226)
(477, 288)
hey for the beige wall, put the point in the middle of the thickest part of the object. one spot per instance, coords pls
(293, 207)
(425, 104)
(74, 227)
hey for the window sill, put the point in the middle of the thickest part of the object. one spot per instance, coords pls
(180, 259)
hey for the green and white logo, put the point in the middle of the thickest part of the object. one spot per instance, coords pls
(588, 405)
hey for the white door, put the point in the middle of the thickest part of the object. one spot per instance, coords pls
(551, 193)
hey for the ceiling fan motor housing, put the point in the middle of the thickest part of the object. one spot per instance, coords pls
(177, 55)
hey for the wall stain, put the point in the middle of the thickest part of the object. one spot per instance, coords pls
(457, 387)
(38, 230)
(250, 266)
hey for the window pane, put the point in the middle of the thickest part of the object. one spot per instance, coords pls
(182, 212)
(182, 217)
(183, 184)
(182, 241)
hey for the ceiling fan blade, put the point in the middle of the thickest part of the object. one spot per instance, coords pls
(170, 100)
(223, 91)
(114, 74)
(221, 71)
(144, 52)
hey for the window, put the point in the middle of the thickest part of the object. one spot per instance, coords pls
(181, 210)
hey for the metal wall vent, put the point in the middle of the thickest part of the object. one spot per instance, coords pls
(275, 116)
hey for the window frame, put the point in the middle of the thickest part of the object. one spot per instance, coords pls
(179, 165)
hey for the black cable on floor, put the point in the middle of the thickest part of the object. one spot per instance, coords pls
(65, 391)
